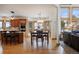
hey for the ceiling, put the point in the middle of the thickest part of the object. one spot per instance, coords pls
(26, 9)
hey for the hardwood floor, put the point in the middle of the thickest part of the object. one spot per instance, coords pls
(26, 48)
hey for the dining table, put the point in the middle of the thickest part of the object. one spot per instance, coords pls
(44, 35)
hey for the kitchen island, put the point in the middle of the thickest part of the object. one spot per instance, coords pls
(11, 37)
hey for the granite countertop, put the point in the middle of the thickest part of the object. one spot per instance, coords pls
(75, 34)
(12, 31)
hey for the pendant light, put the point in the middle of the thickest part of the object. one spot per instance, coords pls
(12, 17)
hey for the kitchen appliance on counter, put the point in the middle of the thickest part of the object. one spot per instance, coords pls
(22, 27)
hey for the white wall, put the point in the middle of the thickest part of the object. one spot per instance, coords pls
(47, 10)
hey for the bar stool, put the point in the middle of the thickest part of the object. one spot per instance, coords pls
(8, 38)
(13, 37)
(3, 36)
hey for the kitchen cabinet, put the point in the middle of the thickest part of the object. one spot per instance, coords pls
(15, 36)
(18, 22)
(15, 23)
(22, 21)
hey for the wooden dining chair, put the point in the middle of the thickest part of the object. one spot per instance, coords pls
(39, 35)
(33, 36)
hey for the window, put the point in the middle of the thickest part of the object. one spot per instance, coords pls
(75, 15)
(64, 12)
(69, 18)
(4, 25)
(30, 25)
(64, 18)
(7, 25)
(0, 24)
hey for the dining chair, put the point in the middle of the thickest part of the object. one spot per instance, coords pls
(33, 36)
(39, 35)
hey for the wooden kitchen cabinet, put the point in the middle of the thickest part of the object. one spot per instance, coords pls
(18, 22)
(16, 36)
(22, 21)
(15, 23)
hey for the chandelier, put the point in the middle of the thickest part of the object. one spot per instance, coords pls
(12, 16)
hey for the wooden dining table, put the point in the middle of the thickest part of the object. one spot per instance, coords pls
(40, 34)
